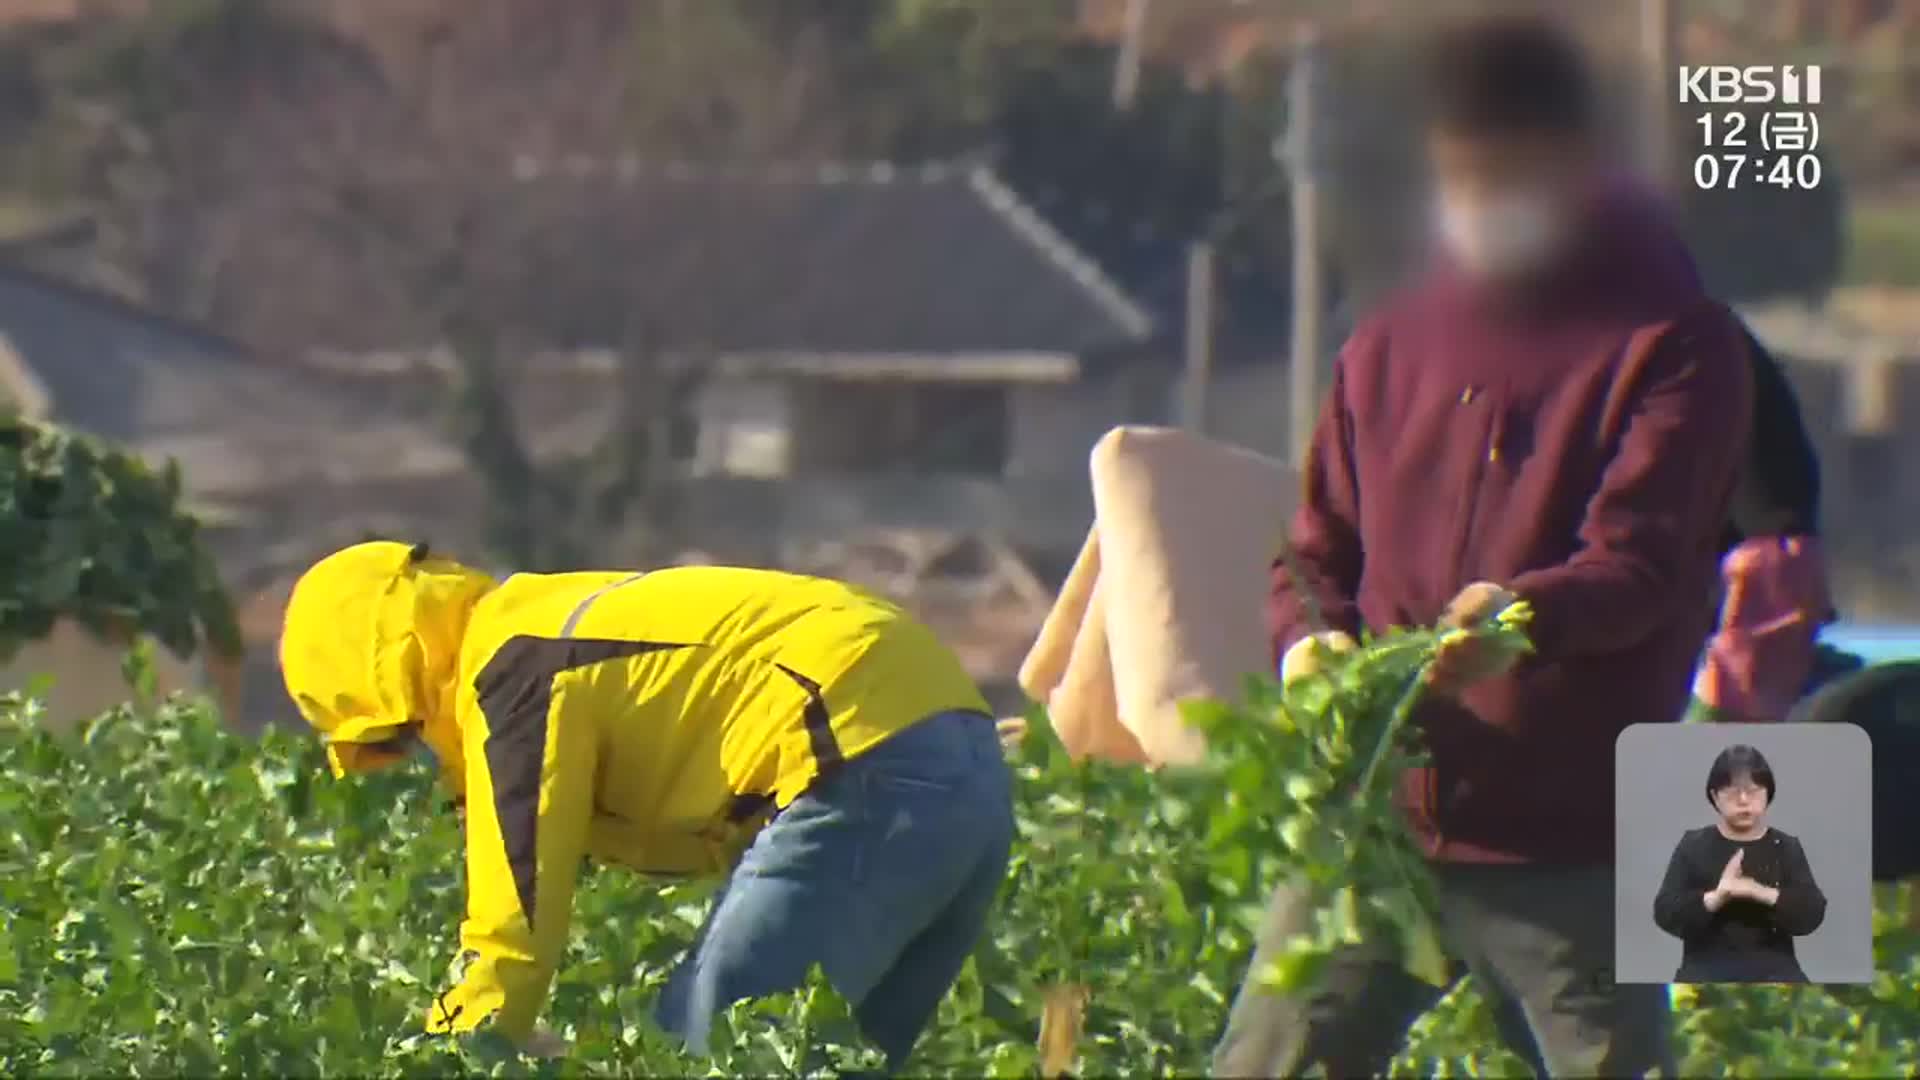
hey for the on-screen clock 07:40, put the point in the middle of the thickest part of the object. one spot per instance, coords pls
(1725, 171)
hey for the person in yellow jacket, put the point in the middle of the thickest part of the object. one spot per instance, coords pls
(803, 734)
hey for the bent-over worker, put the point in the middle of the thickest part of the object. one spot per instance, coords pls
(657, 721)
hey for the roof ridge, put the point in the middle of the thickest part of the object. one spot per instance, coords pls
(1055, 246)
(634, 167)
(25, 271)
(981, 181)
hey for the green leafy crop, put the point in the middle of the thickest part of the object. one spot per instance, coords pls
(183, 901)
(1314, 767)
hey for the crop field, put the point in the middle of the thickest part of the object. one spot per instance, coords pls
(182, 901)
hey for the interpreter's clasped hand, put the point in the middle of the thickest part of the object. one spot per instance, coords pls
(1724, 890)
(1734, 884)
(1733, 873)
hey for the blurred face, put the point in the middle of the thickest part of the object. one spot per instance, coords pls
(1742, 804)
(1507, 205)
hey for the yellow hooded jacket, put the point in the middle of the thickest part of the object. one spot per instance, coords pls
(644, 720)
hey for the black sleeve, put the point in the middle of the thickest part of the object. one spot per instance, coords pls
(1782, 476)
(1679, 908)
(1801, 906)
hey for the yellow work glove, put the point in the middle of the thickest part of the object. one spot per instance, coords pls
(1013, 731)
(1475, 604)
(1308, 655)
(1464, 660)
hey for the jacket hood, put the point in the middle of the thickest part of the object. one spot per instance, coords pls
(371, 648)
(1635, 232)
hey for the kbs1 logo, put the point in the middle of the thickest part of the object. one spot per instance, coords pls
(1764, 84)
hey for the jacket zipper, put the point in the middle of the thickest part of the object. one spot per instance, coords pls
(1489, 453)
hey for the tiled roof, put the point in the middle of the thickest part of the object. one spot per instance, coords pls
(934, 262)
(170, 389)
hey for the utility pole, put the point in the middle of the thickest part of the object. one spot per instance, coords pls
(1126, 65)
(1199, 351)
(1304, 153)
(1659, 52)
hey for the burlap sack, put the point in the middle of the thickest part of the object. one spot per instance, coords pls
(1166, 602)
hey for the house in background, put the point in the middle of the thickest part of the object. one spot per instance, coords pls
(873, 346)
(877, 348)
(922, 346)
(881, 320)
(254, 440)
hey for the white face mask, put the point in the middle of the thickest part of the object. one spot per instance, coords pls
(1503, 234)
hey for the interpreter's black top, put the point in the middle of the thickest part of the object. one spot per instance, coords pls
(1746, 940)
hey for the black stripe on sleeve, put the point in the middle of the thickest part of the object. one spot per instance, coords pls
(516, 695)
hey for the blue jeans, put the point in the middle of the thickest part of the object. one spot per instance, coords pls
(883, 874)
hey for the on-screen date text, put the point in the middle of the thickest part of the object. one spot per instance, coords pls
(1770, 149)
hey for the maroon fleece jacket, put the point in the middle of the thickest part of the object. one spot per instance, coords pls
(1578, 445)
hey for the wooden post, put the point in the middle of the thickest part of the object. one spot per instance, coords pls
(1199, 345)
(1305, 154)
(1126, 64)
(1659, 49)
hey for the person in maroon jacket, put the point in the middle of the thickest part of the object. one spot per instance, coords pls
(1559, 409)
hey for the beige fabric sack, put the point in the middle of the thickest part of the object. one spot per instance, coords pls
(1166, 603)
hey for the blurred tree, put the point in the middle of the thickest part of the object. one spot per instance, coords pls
(737, 79)
(952, 64)
(1135, 188)
(94, 535)
(1021, 85)
(353, 176)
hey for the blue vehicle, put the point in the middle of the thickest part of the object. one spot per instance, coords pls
(1874, 644)
(1870, 676)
